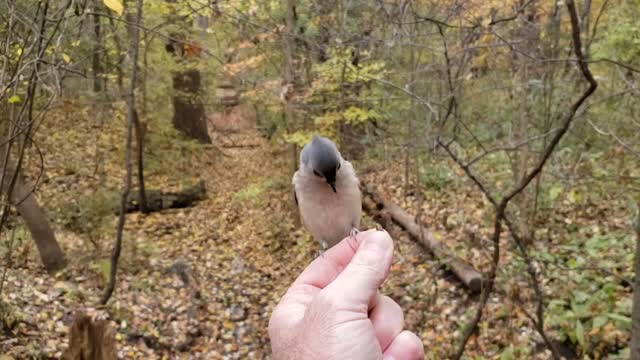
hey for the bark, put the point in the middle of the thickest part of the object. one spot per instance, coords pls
(585, 20)
(189, 116)
(131, 119)
(97, 48)
(118, 45)
(145, 66)
(635, 316)
(91, 340)
(140, 127)
(289, 87)
(469, 276)
(11, 181)
(36, 221)
(141, 130)
(188, 109)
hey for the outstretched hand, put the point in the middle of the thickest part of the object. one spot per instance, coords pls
(333, 309)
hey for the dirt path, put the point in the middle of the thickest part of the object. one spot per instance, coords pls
(198, 282)
(233, 246)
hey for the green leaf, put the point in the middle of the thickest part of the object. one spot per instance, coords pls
(581, 296)
(507, 354)
(105, 269)
(621, 318)
(115, 5)
(554, 192)
(599, 321)
(14, 99)
(580, 333)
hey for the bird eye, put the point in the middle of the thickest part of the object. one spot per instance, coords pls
(338, 167)
(317, 173)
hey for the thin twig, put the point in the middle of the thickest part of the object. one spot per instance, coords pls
(128, 161)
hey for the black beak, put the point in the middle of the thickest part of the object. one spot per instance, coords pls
(333, 186)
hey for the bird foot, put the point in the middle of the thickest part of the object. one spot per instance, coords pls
(320, 252)
(352, 235)
(379, 227)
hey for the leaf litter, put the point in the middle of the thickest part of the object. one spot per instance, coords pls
(201, 282)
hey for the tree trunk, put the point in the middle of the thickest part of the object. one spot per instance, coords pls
(289, 88)
(36, 221)
(97, 49)
(189, 117)
(140, 128)
(118, 45)
(635, 317)
(145, 66)
(131, 119)
(585, 20)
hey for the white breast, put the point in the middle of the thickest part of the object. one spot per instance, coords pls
(329, 216)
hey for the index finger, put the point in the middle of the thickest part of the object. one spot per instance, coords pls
(326, 267)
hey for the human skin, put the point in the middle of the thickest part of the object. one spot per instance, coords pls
(333, 309)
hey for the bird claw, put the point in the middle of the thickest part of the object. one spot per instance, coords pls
(379, 227)
(320, 252)
(354, 231)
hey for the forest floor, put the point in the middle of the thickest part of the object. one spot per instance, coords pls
(201, 282)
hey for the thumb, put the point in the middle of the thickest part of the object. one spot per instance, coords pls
(358, 283)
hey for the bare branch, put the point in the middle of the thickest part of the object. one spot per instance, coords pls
(500, 207)
(131, 118)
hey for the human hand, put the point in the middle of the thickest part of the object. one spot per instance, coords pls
(333, 309)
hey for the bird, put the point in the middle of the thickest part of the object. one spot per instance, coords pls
(327, 192)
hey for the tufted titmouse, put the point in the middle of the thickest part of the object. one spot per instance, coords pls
(327, 192)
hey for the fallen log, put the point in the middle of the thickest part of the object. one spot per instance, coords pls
(231, 146)
(158, 200)
(382, 208)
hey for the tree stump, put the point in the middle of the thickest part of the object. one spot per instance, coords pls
(90, 340)
(188, 116)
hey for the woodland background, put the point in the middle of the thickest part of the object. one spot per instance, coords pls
(148, 146)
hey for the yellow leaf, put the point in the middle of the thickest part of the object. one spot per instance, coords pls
(66, 58)
(228, 324)
(574, 196)
(115, 5)
(14, 99)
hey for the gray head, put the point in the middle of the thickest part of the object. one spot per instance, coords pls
(321, 156)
